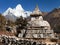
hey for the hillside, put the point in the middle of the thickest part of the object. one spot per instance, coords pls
(53, 18)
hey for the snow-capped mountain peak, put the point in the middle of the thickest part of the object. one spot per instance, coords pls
(19, 8)
(7, 11)
(17, 11)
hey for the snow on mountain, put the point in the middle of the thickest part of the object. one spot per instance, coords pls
(17, 11)
(7, 11)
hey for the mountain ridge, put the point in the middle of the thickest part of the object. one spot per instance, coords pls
(53, 18)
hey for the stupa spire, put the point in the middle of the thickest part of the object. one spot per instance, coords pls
(36, 11)
(36, 8)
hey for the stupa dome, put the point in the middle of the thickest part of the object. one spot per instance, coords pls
(39, 23)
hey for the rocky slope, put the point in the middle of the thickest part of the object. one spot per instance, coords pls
(53, 18)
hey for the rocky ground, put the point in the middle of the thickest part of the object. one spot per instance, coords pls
(4, 40)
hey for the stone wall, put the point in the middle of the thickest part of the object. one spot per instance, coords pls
(4, 40)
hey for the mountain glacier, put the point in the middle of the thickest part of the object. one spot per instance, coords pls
(17, 11)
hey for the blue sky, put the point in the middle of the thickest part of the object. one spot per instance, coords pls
(44, 5)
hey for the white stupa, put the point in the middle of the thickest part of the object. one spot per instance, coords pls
(37, 27)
